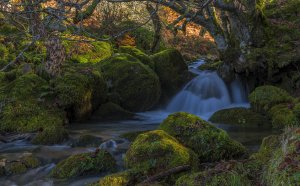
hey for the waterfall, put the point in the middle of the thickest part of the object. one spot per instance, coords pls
(207, 93)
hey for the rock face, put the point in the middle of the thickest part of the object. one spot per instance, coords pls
(84, 164)
(208, 142)
(263, 98)
(156, 151)
(171, 70)
(134, 85)
(239, 116)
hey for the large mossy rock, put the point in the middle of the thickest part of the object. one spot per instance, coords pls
(208, 142)
(171, 70)
(263, 98)
(284, 115)
(80, 90)
(19, 166)
(144, 58)
(87, 52)
(278, 159)
(112, 111)
(224, 173)
(24, 109)
(84, 164)
(134, 85)
(156, 151)
(239, 116)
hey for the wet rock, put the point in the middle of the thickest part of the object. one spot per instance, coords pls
(87, 141)
(84, 164)
(208, 142)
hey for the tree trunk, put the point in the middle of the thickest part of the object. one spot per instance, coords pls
(157, 28)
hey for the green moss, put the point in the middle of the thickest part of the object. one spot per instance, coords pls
(156, 151)
(210, 66)
(88, 52)
(30, 161)
(268, 146)
(16, 168)
(239, 116)
(84, 164)
(209, 142)
(171, 70)
(145, 59)
(118, 179)
(263, 98)
(25, 110)
(81, 89)
(283, 168)
(136, 84)
(227, 174)
(282, 115)
(112, 111)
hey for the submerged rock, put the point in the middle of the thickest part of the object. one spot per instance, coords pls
(263, 98)
(156, 151)
(208, 142)
(84, 164)
(171, 69)
(239, 116)
(135, 85)
(87, 140)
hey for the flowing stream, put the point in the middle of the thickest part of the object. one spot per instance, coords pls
(203, 95)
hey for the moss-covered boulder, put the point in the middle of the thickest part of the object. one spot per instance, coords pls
(239, 116)
(144, 58)
(19, 166)
(87, 52)
(171, 70)
(208, 142)
(80, 90)
(156, 151)
(112, 111)
(225, 173)
(84, 164)
(25, 109)
(283, 115)
(263, 98)
(135, 84)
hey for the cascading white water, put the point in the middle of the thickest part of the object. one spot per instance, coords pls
(207, 93)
